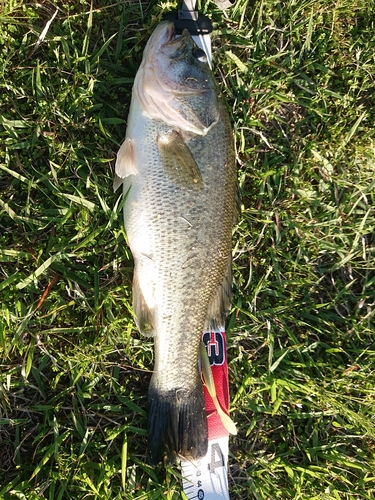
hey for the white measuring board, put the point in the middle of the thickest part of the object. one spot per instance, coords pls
(207, 478)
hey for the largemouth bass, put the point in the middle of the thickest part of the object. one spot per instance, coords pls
(177, 166)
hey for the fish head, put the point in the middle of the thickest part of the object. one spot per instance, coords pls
(175, 84)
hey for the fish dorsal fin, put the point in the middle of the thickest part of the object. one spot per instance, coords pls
(221, 301)
(143, 316)
(125, 163)
(178, 162)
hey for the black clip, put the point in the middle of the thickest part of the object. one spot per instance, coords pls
(201, 25)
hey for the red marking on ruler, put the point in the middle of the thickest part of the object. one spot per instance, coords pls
(220, 374)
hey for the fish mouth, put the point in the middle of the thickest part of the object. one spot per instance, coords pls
(169, 34)
(175, 41)
(165, 41)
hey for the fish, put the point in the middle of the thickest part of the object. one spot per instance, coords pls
(178, 170)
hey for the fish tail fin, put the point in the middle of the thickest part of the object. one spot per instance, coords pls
(177, 425)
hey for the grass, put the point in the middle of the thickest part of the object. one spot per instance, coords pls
(298, 78)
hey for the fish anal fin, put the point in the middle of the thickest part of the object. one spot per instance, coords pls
(221, 301)
(126, 162)
(143, 315)
(178, 162)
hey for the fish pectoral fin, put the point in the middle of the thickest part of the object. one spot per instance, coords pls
(126, 162)
(143, 316)
(220, 302)
(117, 181)
(178, 162)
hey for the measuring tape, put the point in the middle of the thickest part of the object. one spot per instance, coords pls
(207, 478)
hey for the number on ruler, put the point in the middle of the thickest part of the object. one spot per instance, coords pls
(217, 457)
(214, 343)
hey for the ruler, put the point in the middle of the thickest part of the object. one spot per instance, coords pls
(207, 478)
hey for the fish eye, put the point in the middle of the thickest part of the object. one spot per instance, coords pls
(200, 54)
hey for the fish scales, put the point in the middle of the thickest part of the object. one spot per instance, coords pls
(180, 187)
